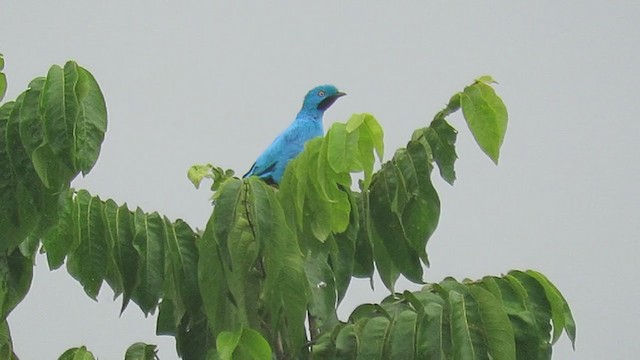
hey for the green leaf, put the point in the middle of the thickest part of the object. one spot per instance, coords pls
(402, 335)
(338, 144)
(285, 289)
(198, 172)
(495, 323)
(227, 342)
(342, 255)
(193, 339)
(75, 117)
(487, 79)
(346, 343)
(16, 273)
(218, 175)
(6, 344)
(363, 256)
(60, 107)
(80, 353)
(441, 138)
(322, 308)
(486, 117)
(88, 260)
(149, 243)
(243, 343)
(462, 342)
(7, 182)
(239, 248)
(120, 231)
(91, 121)
(372, 127)
(405, 208)
(560, 312)
(375, 334)
(22, 200)
(216, 296)
(253, 346)
(3, 79)
(183, 259)
(53, 173)
(431, 334)
(141, 351)
(59, 241)
(370, 135)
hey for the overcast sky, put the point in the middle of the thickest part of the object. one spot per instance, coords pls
(193, 82)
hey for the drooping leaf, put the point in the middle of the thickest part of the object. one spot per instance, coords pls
(441, 138)
(60, 107)
(363, 253)
(322, 309)
(560, 312)
(183, 259)
(19, 195)
(88, 259)
(6, 344)
(495, 322)
(120, 232)
(486, 117)
(90, 123)
(16, 273)
(193, 339)
(149, 243)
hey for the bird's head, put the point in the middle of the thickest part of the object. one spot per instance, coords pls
(320, 98)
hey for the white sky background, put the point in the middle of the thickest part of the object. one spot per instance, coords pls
(193, 82)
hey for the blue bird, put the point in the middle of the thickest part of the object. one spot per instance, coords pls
(271, 164)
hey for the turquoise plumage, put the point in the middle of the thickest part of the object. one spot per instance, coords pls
(271, 164)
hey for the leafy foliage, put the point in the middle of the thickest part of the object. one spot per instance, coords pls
(51, 133)
(505, 317)
(269, 258)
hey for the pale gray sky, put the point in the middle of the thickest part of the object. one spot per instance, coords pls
(197, 82)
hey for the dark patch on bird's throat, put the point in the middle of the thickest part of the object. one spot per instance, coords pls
(326, 103)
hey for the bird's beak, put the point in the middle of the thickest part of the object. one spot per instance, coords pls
(326, 103)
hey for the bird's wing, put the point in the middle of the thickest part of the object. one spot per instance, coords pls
(261, 171)
(267, 161)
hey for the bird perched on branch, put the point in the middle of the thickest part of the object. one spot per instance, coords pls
(271, 164)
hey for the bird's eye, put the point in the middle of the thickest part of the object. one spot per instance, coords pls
(320, 93)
